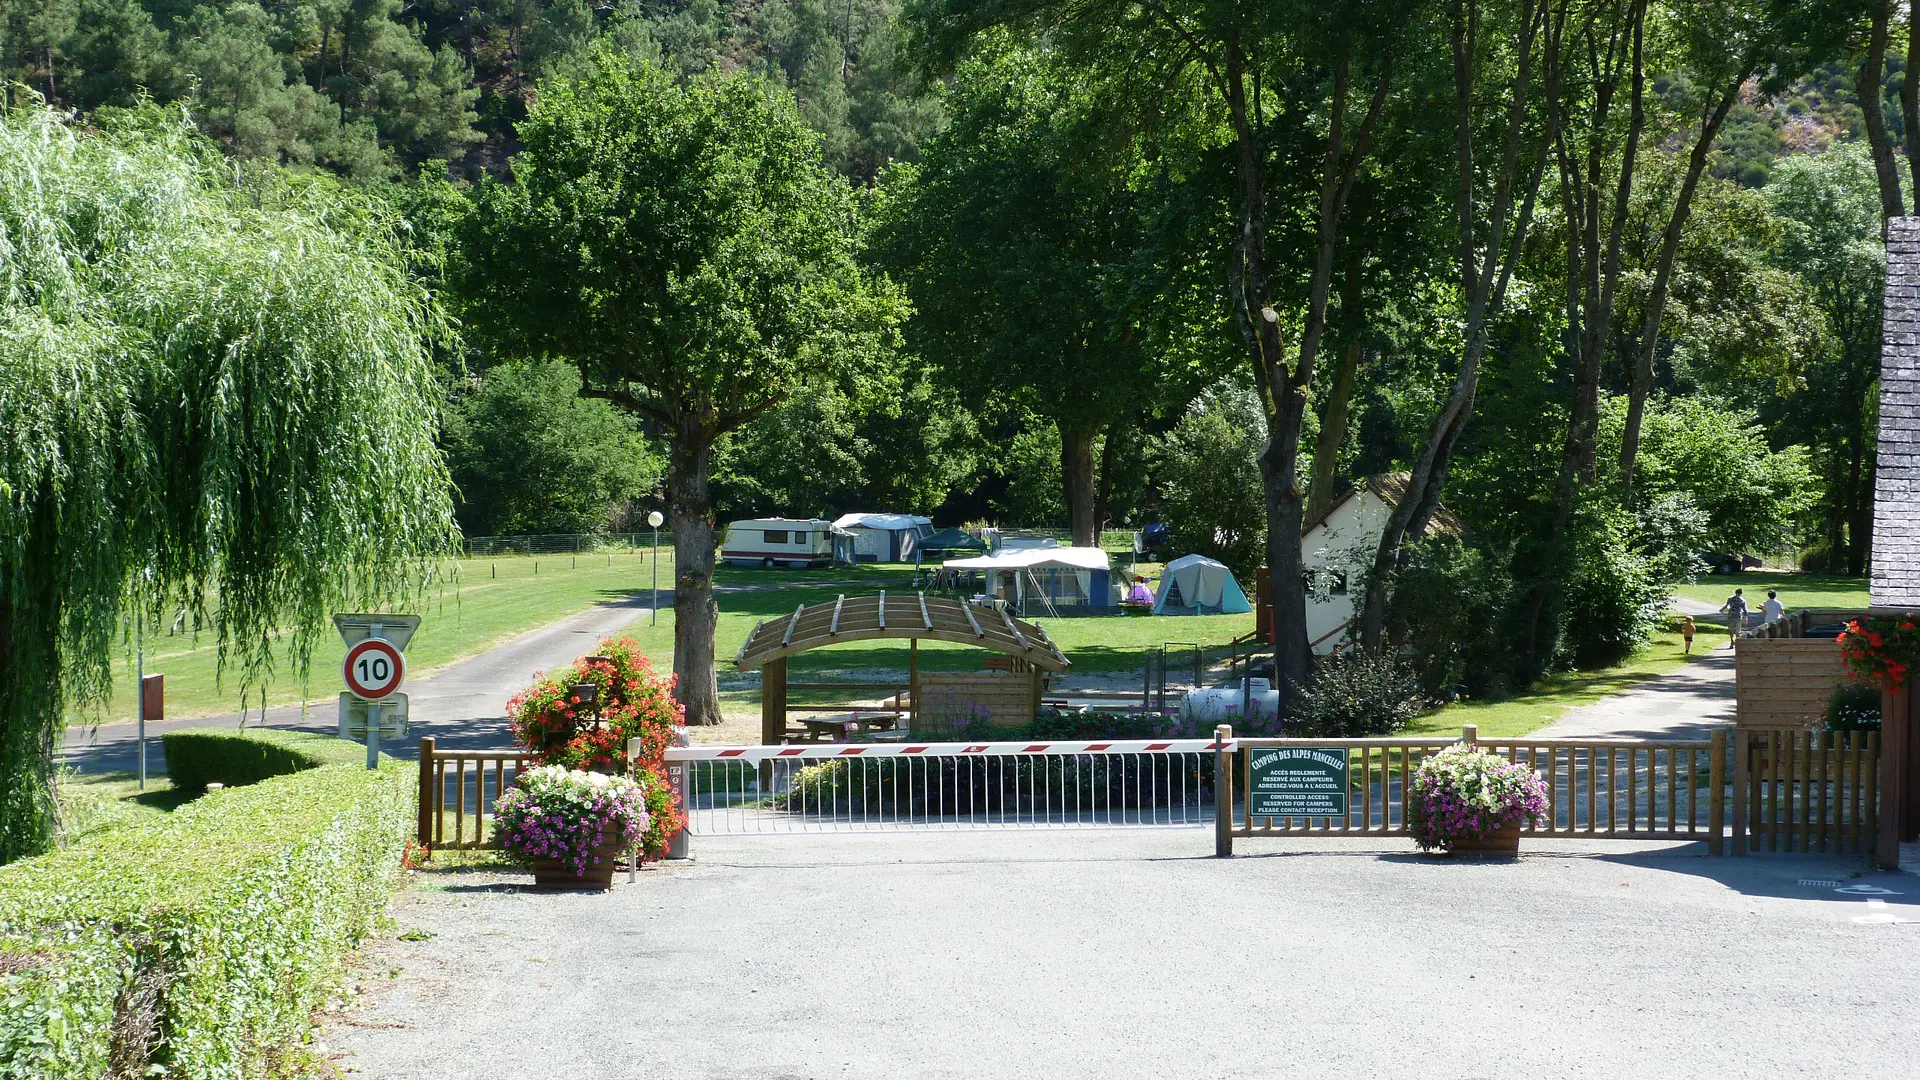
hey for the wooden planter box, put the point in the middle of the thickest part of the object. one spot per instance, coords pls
(1504, 842)
(552, 873)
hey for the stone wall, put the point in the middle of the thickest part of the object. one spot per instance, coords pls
(1896, 503)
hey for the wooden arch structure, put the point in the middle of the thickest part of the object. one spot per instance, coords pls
(910, 616)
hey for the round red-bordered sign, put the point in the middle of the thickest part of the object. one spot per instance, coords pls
(373, 669)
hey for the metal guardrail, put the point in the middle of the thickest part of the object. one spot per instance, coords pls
(945, 786)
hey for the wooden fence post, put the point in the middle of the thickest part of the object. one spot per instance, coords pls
(1717, 784)
(1470, 734)
(1222, 793)
(427, 808)
(1896, 732)
(1741, 754)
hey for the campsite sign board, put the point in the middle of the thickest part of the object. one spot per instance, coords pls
(1297, 781)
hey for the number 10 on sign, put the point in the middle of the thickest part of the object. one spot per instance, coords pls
(373, 669)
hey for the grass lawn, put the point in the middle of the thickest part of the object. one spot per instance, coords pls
(1542, 705)
(495, 599)
(90, 802)
(1796, 590)
(1096, 644)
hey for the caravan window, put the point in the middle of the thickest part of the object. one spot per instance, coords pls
(774, 536)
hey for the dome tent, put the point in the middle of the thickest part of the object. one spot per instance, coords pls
(1197, 585)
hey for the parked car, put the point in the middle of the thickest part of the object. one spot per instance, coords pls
(1724, 562)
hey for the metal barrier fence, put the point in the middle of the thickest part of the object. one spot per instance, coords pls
(945, 786)
(1789, 790)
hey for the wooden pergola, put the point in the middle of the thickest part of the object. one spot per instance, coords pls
(909, 616)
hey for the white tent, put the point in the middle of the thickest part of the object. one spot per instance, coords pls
(1069, 577)
(885, 537)
(1197, 585)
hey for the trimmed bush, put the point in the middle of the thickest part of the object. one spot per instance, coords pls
(1365, 694)
(235, 757)
(197, 945)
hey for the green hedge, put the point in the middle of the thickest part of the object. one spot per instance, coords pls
(197, 757)
(197, 945)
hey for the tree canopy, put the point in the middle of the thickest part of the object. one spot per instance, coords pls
(682, 244)
(217, 395)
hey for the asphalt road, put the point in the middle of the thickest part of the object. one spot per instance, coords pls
(1109, 955)
(462, 704)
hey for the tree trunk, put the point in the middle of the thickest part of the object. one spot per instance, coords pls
(1119, 437)
(1486, 266)
(1333, 413)
(1859, 506)
(1076, 472)
(695, 614)
(1910, 101)
(1642, 383)
(1867, 90)
(1592, 278)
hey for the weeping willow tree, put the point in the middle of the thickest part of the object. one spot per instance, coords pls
(216, 395)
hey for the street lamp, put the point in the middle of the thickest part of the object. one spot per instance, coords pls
(655, 519)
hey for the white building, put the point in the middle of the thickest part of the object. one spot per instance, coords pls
(1338, 547)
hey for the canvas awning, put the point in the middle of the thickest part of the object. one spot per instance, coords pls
(1056, 558)
(900, 616)
(884, 522)
(953, 540)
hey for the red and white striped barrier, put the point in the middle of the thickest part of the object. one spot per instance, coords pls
(953, 749)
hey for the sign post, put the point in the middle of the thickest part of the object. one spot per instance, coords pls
(373, 670)
(654, 519)
(1298, 782)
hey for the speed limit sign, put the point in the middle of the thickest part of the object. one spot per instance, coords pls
(373, 669)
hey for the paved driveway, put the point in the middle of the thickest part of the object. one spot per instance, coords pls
(1104, 955)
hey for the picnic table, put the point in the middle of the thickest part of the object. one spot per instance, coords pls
(843, 729)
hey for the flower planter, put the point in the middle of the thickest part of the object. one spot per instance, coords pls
(1501, 842)
(550, 812)
(606, 861)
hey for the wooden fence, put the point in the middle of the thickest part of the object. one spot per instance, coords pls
(1782, 789)
(447, 793)
(1608, 789)
(1805, 791)
(1785, 681)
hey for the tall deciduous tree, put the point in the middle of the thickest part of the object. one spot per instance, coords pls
(532, 456)
(1018, 239)
(1496, 50)
(684, 246)
(214, 395)
(1238, 80)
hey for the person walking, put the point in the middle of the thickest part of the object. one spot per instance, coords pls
(1773, 609)
(1736, 609)
(1686, 631)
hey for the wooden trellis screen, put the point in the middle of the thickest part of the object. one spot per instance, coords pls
(1797, 790)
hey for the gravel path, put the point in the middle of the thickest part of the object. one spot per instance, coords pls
(1104, 955)
(1685, 704)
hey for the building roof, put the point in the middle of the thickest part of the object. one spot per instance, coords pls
(1053, 558)
(902, 615)
(1389, 488)
(886, 522)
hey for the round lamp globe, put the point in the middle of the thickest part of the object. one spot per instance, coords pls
(656, 518)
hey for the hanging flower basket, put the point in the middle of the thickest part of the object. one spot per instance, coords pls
(1882, 652)
(1465, 799)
